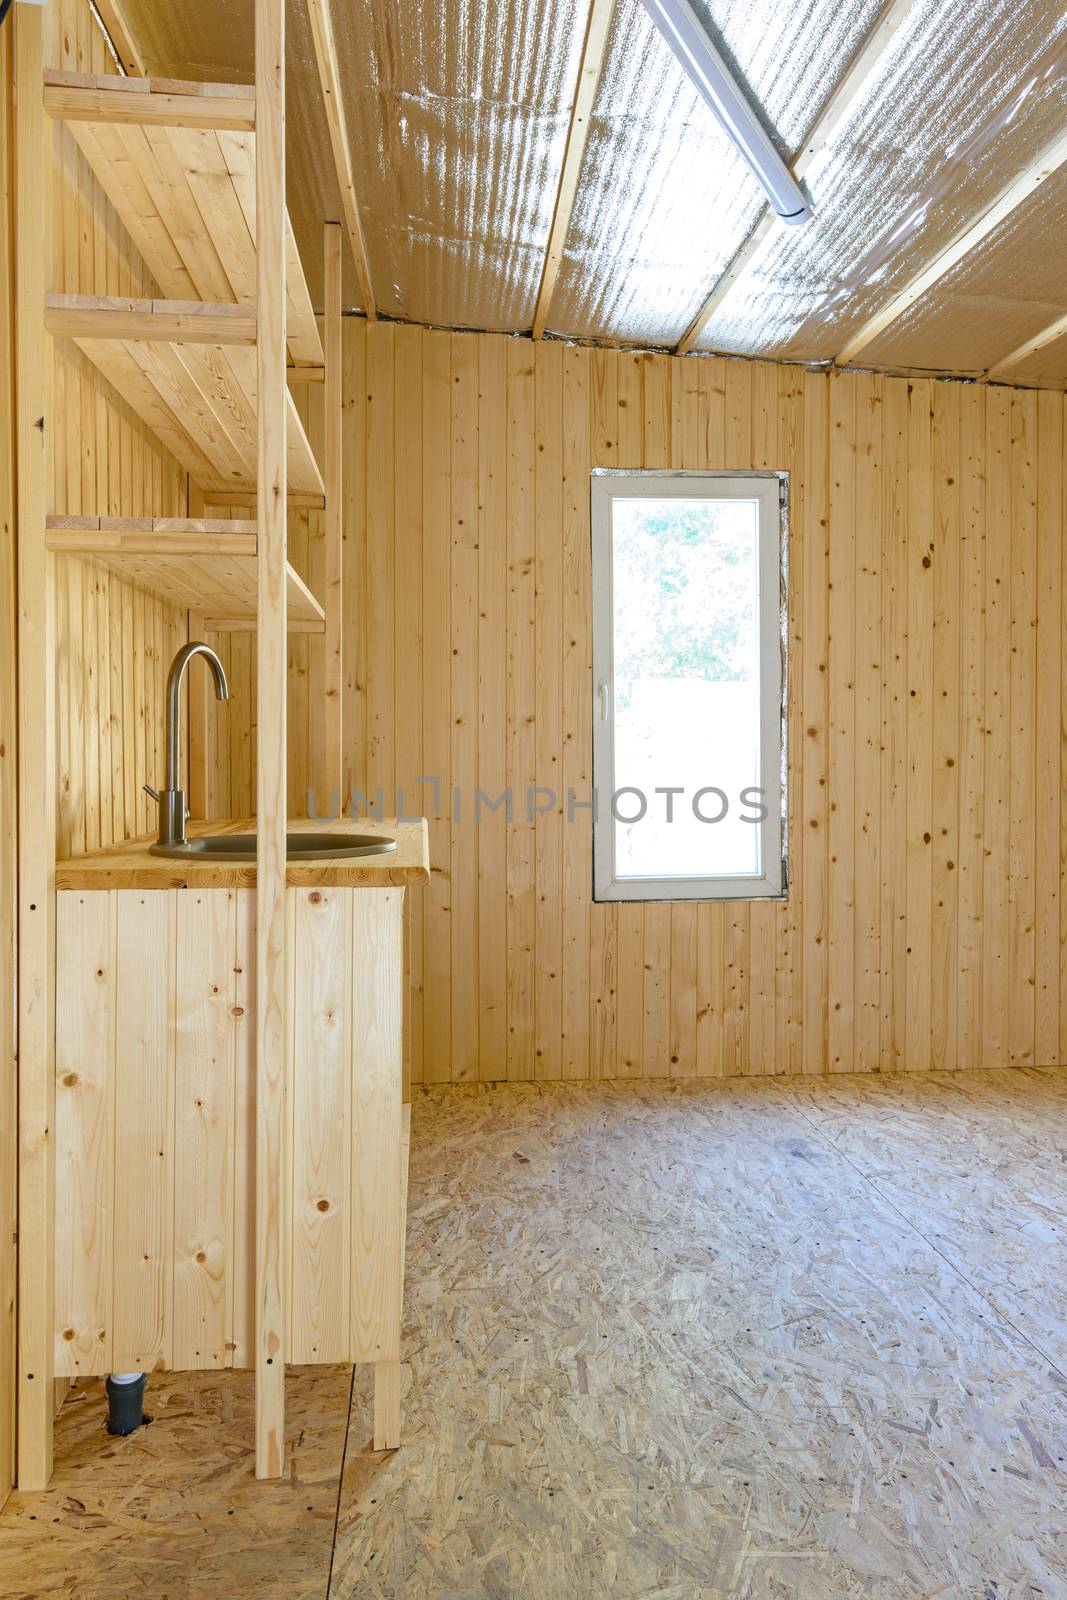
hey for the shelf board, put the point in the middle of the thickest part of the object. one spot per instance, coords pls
(167, 102)
(185, 191)
(200, 401)
(187, 197)
(91, 316)
(204, 564)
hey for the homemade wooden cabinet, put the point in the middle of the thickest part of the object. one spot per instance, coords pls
(155, 1115)
(195, 173)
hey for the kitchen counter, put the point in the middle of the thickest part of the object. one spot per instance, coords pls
(132, 866)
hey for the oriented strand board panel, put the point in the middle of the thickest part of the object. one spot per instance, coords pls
(859, 1283)
(923, 927)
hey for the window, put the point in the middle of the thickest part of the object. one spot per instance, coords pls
(688, 679)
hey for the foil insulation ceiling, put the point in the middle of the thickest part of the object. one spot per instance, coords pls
(458, 114)
(1000, 295)
(965, 99)
(665, 200)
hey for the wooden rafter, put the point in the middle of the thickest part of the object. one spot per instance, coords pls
(1022, 187)
(112, 15)
(837, 109)
(326, 57)
(1030, 347)
(596, 36)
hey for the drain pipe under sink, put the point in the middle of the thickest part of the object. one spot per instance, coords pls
(125, 1401)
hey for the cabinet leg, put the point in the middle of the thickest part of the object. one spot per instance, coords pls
(386, 1405)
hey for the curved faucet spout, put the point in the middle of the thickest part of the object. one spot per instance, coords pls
(172, 801)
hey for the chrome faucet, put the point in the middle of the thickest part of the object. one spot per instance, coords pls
(172, 812)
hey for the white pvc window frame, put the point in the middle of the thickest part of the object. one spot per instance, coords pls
(769, 490)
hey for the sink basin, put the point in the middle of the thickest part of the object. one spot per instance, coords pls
(298, 846)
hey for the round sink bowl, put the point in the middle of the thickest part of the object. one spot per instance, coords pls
(298, 846)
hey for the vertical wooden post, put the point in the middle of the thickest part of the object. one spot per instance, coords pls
(272, 1023)
(332, 475)
(198, 689)
(8, 791)
(36, 781)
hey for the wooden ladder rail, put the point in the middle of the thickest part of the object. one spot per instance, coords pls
(272, 932)
(36, 767)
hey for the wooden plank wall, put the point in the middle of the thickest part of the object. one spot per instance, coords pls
(115, 643)
(8, 792)
(924, 925)
(155, 1081)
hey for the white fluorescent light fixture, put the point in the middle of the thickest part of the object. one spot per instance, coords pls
(702, 63)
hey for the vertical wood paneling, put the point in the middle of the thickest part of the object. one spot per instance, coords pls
(1048, 793)
(867, 709)
(156, 1119)
(435, 796)
(375, 1124)
(925, 627)
(922, 554)
(808, 790)
(972, 615)
(1023, 746)
(408, 654)
(86, 1005)
(322, 1116)
(546, 708)
(463, 597)
(844, 396)
(491, 823)
(8, 795)
(996, 655)
(204, 1073)
(145, 932)
(946, 731)
(894, 843)
(114, 645)
(576, 765)
(520, 754)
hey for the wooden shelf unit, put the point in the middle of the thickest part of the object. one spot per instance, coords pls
(206, 565)
(196, 173)
(184, 188)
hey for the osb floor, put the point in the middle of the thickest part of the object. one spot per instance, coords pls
(756, 1339)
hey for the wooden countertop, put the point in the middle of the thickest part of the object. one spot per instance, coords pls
(131, 866)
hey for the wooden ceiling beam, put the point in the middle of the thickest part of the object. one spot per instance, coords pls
(1031, 347)
(596, 35)
(1010, 199)
(836, 111)
(329, 80)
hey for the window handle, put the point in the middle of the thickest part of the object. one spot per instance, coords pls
(602, 690)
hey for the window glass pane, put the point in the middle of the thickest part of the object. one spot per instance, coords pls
(687, 689)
